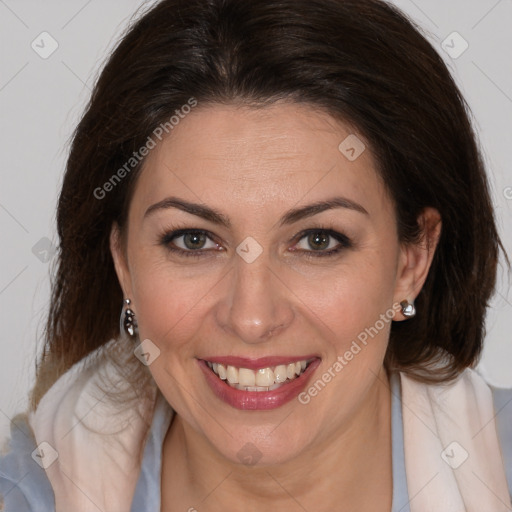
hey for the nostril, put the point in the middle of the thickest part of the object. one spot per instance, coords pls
(270, 333)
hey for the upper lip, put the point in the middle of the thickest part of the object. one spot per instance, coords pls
(255, 364)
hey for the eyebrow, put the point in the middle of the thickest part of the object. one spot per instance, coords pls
(290, 217)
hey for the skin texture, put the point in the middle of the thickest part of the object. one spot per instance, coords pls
(253, 165)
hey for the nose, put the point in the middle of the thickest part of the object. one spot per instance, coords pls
(256, 304)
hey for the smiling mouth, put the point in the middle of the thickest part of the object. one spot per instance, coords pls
(262, 379)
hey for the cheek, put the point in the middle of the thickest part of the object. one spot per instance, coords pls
(356, 307)
(356, 294)
(168, 303)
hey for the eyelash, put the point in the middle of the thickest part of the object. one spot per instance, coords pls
(343, 242)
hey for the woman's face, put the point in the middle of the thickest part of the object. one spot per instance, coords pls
(286, 251)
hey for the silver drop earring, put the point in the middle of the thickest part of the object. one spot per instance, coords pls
(408, 309)
(127, 323)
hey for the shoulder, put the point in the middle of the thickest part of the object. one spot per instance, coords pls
(503, 414)
(24, 486)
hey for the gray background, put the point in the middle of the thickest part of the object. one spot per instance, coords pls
(41, 101)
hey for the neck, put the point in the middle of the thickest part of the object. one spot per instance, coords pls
(351, 468)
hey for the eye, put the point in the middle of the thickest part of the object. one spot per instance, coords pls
(312, 243)
(190, 242)
(322, 242)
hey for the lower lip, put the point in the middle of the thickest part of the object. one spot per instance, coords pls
(257, 400)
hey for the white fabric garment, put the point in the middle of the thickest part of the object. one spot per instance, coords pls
(100, 444)
(452, 455)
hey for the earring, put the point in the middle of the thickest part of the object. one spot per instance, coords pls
(127, 322)
(408, 308)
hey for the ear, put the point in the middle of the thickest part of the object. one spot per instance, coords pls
(416, 258)
(120, 260)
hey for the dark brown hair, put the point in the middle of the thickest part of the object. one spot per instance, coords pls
(362, 61)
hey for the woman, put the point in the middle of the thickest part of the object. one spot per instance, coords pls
(285, 205)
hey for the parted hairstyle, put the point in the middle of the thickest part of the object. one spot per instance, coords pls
(363, 62)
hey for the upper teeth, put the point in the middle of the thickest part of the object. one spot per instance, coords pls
(260, 379)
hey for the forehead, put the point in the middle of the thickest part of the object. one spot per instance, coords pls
(228, 155)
